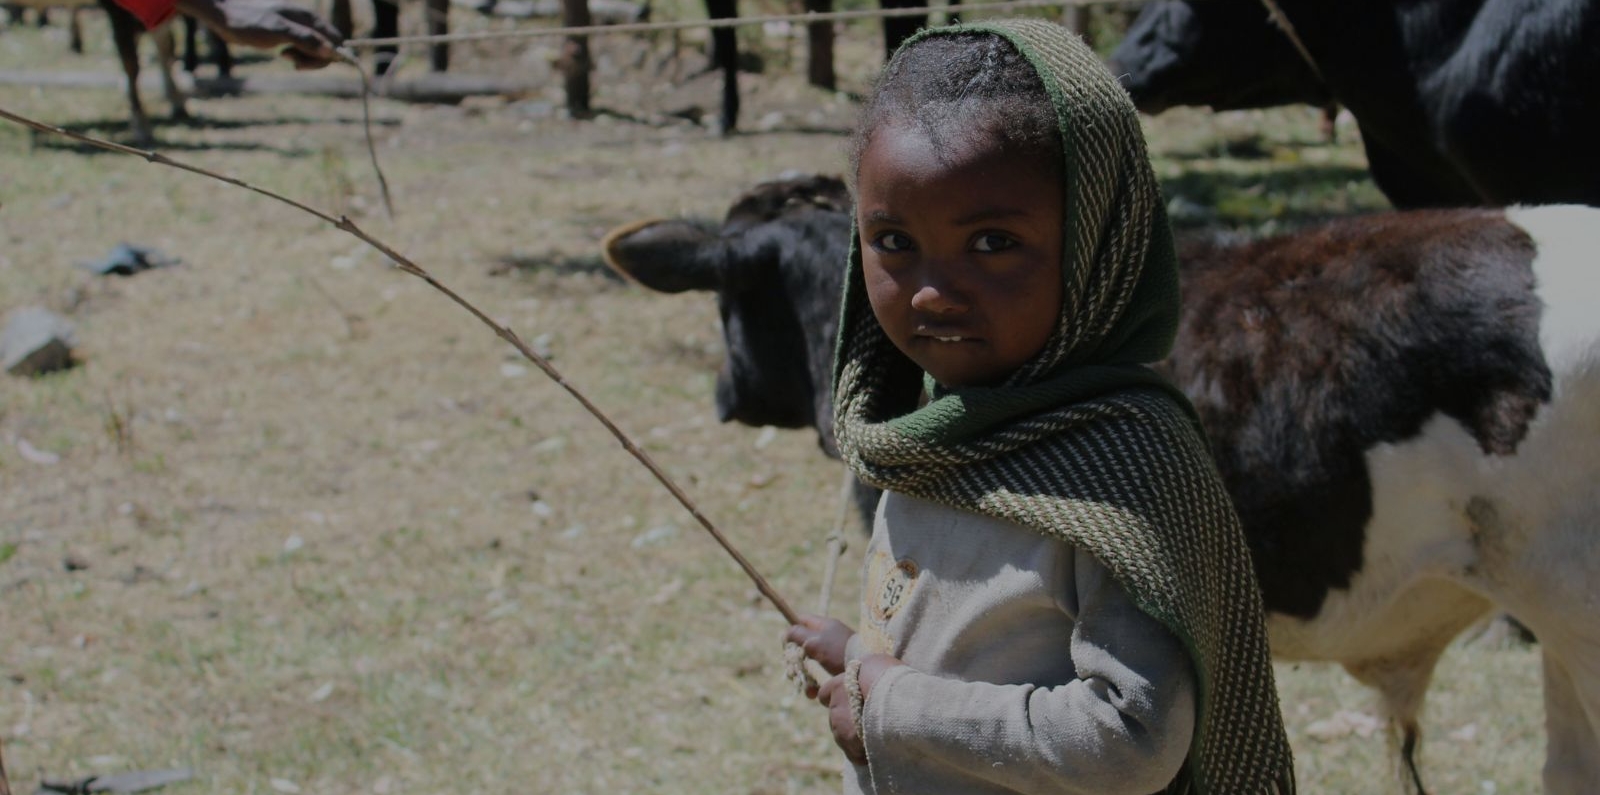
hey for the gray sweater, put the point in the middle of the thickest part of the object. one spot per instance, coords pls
(1028, 669)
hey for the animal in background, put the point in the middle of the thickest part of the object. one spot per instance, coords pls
(1405, 408)
(1459, 102)
(125, 32)
(15, 10)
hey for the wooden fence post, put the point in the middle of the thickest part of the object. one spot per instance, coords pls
(575, 63)
(438, 12)
(1076, 19)
(725, 58)
(819, 47)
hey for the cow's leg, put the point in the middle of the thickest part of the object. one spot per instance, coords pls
(191, 44)
(385, 25)
(725, 56)
(220, 53)
(1402, 683)
(1572, 745)
(14, 14)
(167, 52)
(1330, 123)
(125, 34)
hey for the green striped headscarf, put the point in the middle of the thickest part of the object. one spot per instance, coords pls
(1084, 442)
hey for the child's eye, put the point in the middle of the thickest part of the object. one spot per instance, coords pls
(892, 241)
(992, 242)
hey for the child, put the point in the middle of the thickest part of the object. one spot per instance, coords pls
(1058, 597)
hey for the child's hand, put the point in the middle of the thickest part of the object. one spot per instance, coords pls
(842, 719)
(822, 639)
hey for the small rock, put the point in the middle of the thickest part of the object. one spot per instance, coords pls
(513, 370)
(1343, 724)
(34, 455)
(532, 109)
(1184, 210)
(285, 786)
(666, 592)
(766, 437)
(770, 122)
(127, 259)
(655, 535)
(541, 346)
(36, 341)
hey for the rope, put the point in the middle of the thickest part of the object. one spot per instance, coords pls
(1282, 21)
(811, 18)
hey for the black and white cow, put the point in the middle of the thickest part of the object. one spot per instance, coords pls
(1459, 102)
(1405, 407)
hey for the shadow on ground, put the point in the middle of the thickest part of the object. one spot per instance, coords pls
(556, 264)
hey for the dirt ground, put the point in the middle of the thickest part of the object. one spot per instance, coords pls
(302, 525)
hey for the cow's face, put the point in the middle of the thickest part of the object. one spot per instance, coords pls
(1222, 53)
(762, 264)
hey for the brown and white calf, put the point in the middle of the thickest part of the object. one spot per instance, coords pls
(1405, 407)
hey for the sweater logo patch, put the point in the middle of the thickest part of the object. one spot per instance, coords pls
(892, 584)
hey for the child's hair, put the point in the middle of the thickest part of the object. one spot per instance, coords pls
(961, 90)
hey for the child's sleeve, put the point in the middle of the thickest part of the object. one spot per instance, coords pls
(1123, 726)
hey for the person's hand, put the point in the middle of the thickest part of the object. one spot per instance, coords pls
(835, 696)
(309, 40)
(822, 639)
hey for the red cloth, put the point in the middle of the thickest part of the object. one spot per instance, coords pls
(150, 12)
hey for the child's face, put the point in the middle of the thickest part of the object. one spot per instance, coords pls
(962, 254)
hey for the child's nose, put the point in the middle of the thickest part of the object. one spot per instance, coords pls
(936, 299)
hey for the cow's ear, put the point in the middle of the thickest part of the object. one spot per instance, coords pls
(667, 256)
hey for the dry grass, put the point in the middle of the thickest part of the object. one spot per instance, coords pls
(336, 537)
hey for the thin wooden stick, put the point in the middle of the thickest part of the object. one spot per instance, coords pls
(366, 125)
(344, 224)
(5, 785)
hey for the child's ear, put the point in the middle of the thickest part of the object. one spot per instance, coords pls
(667, 256)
